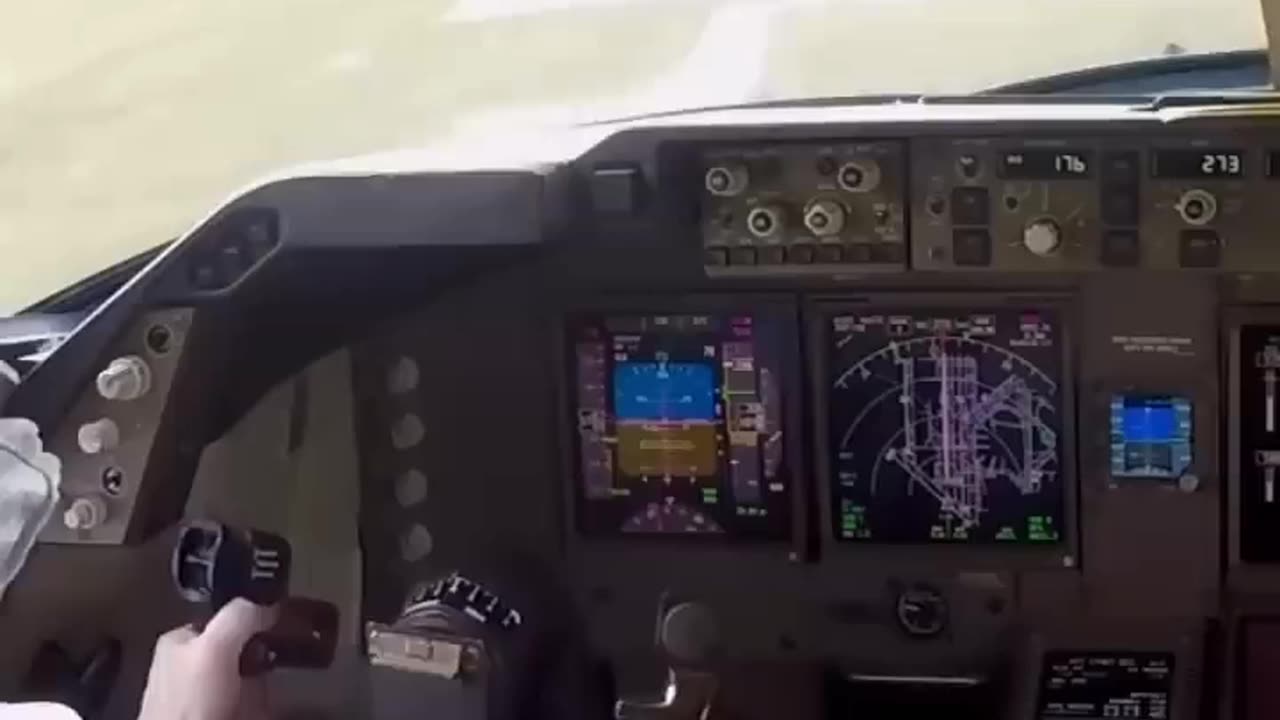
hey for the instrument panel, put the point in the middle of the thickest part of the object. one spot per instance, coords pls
(905, 399)
(988, 204)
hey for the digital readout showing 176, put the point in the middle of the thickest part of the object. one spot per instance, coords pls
(1045, 164)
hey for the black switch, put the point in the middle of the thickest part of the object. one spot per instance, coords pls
(1119, 204)
(1120, 167)
(971, 247)
(859, 253)
(1199, 249)
(1120, 248)
(617, 190)
(970, 206)
(715, 257)
(742, 256)
(830, 254)
(800, 254)
(773, 255)
(887, 253)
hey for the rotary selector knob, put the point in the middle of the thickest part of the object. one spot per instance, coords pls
(85, 513)
(921, 611)
(1042, 237)
(125, 378)
(727, 180)
(98, 436)
(1197, 207)
(824, 218)
(859, 176)
(765, 221)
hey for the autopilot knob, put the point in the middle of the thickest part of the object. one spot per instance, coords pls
(1197, 207)
(1042, 237)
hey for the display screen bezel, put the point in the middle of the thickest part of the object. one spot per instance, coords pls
(1063, 553)
(1112, 430)
(782, 318)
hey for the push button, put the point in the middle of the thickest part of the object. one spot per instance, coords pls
(971, 247)
(1119, 205)
(970, 206)
(773, 255)
(1120, 248)
(830, 254)
(1199, 249)
(800, 254)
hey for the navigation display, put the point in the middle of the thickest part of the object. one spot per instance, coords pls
(679, 426)
(1150, 436)
(945, 426)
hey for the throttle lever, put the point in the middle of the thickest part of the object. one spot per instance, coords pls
(214, 563)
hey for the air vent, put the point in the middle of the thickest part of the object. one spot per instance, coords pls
(233, 246)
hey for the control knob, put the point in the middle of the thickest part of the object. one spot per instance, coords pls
(859, 176)
(1042, 237)
(101, 435)
(125, 378)
(824, 218)
(1197, 207)
(85, 513)
(727, 180)
(765, 221)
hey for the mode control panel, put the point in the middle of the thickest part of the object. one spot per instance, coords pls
(804, 208)
(1072, 204)
(1026, 204)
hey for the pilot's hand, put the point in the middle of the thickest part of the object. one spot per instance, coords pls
(196, 676)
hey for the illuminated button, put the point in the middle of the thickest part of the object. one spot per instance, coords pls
(1120, 248)
(830, 254)
(742, 256)
(407, 432)
(772, 255)
(98, 436)
(971, 247)
(970, 206)
(715, 257)
(403, 376)
(1199, 249)
(800, 254)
